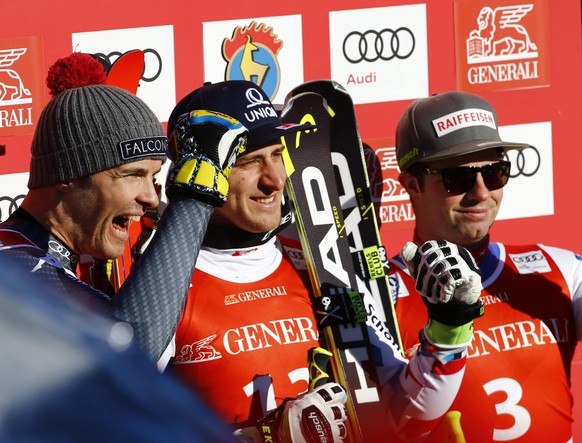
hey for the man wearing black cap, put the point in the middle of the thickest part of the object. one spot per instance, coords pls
(248, 323)
(516, 386)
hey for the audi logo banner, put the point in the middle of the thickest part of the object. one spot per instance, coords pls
(372, 49)
(385, 45)
(531, 172)
(157, 86)
(12, 191)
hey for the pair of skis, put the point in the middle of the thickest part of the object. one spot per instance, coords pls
(329, 189)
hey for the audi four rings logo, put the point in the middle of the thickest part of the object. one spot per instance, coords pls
(524, 162)
(373, 45)
(295, 254)
(8, 205)
(536, 256)
(153, 63)
(59, 249)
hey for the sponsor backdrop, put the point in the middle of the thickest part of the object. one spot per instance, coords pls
(523, 56)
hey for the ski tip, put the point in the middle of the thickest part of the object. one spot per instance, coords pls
(127, 70)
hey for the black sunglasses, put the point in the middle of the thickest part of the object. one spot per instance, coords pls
(462, 178)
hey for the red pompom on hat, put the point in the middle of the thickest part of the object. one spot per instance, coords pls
(76, 70)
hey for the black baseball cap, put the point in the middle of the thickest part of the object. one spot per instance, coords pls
(242, 100)
(447, 125)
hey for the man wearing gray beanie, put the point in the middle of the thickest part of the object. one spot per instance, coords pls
(95, 153)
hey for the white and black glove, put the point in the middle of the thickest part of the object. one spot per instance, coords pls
(315, 417)
(448, 280)
(203, 148)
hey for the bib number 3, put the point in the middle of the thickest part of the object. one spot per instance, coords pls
(514, 392)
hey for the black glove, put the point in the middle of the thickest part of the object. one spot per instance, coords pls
(203, 147)
(448, 280)
(315, 417)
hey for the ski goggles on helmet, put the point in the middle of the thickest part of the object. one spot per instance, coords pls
(462, 179)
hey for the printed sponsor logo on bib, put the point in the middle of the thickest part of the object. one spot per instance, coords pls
(530, 262)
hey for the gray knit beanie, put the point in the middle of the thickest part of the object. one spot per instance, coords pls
(88, 129)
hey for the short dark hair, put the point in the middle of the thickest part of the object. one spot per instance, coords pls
(416, 171)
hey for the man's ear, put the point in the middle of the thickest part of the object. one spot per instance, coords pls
(410, 182)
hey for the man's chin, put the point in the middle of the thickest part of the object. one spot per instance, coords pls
(113, 252)
(257, 228)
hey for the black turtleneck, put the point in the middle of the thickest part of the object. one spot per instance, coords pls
(233, 238)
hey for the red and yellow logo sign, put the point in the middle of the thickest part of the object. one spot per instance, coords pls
(251, 54)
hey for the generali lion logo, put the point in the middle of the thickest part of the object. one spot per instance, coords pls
(505, 46)
(500, 36)
(21, 86)
(12, 89)
(251, 54)
(199, 351)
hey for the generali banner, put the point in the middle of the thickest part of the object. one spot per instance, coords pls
(501, 44)
(21, 85)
